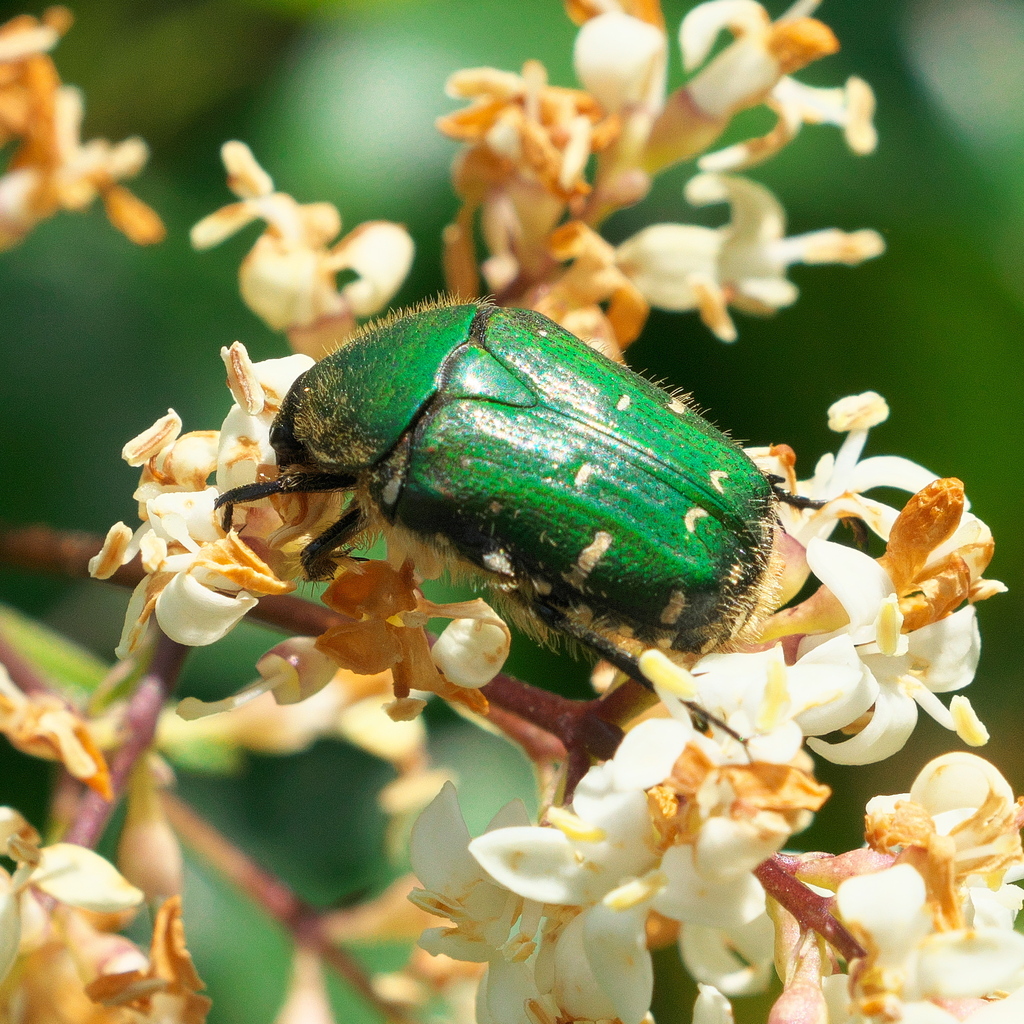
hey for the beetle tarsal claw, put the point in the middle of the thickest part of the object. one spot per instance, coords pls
(788, 498)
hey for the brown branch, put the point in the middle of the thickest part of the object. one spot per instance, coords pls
(809, 909)
(305, 923)
(581, 730)
(138, 727)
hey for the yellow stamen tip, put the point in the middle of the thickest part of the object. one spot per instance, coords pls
(574, 827)
(968, 725)
(637, 891)
(664, 674)
(888, 626)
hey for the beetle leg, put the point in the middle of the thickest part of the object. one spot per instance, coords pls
(289, 483)
(624, 662)
(796, 500)
(316, 560)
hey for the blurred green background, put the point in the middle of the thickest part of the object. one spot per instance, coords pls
(337, 100)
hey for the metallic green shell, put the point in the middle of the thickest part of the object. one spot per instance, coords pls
(561, 475)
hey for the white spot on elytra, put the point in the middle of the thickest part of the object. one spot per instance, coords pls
(717, 476)
(676, 406)
(692, 516)
(623, 403)
(588, 558)
(543, 334)
(594, 552)
(389, 495)
(583, 474)
(498, 561)
(671, 612)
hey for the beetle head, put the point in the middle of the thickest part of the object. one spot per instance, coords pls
(290, 450)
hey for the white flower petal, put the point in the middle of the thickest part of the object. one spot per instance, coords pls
(945, 654)
(893, 721)
(890, 906)
(576, 989)
(727, 848)
(538, 863)
(859, 583)
(737, 961)
(438, 846)
(194, 615)
(661, 260)
(79, 877)
(615, 943)
(889, 471)
(997, 909)
(960, 964)
(958, 781)
(647, 753)
(381, 254)
(694, 899)
(711, 1007)
(830, 687)
(705, 22)
(621, 60)
(10, 930)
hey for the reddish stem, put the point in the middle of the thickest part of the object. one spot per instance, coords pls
(139, 728)
(581, 730)
(303, 921)
(809, 909)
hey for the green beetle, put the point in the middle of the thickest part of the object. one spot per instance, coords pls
(603, 506)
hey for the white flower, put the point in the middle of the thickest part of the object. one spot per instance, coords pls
(742, 264)
(599, 857)
(288, 278)
(907, 669)
(907, 959)
(454, 886)
(737, 961)
(68, 873)
(200, 579)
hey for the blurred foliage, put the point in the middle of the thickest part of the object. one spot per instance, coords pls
(337, 100)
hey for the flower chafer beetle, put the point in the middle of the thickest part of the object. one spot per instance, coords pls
(603, 506)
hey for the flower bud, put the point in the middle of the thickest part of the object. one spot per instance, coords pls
(621, 60)
(470, 652)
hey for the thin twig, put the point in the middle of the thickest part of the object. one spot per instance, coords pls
(304, 922)
(809, 909)
(592, 728)
(138, 728)
(22, 674)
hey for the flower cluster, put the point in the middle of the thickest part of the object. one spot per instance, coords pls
(528, 147)
(60, 955)
(50, 168)
(288, 278)
(660, 844)
(665, 839)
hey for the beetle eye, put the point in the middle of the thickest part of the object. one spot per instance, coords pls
(290, 451)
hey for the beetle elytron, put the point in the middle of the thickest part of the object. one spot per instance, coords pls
(601, 505)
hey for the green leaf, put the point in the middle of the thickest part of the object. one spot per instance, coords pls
(65, 665)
